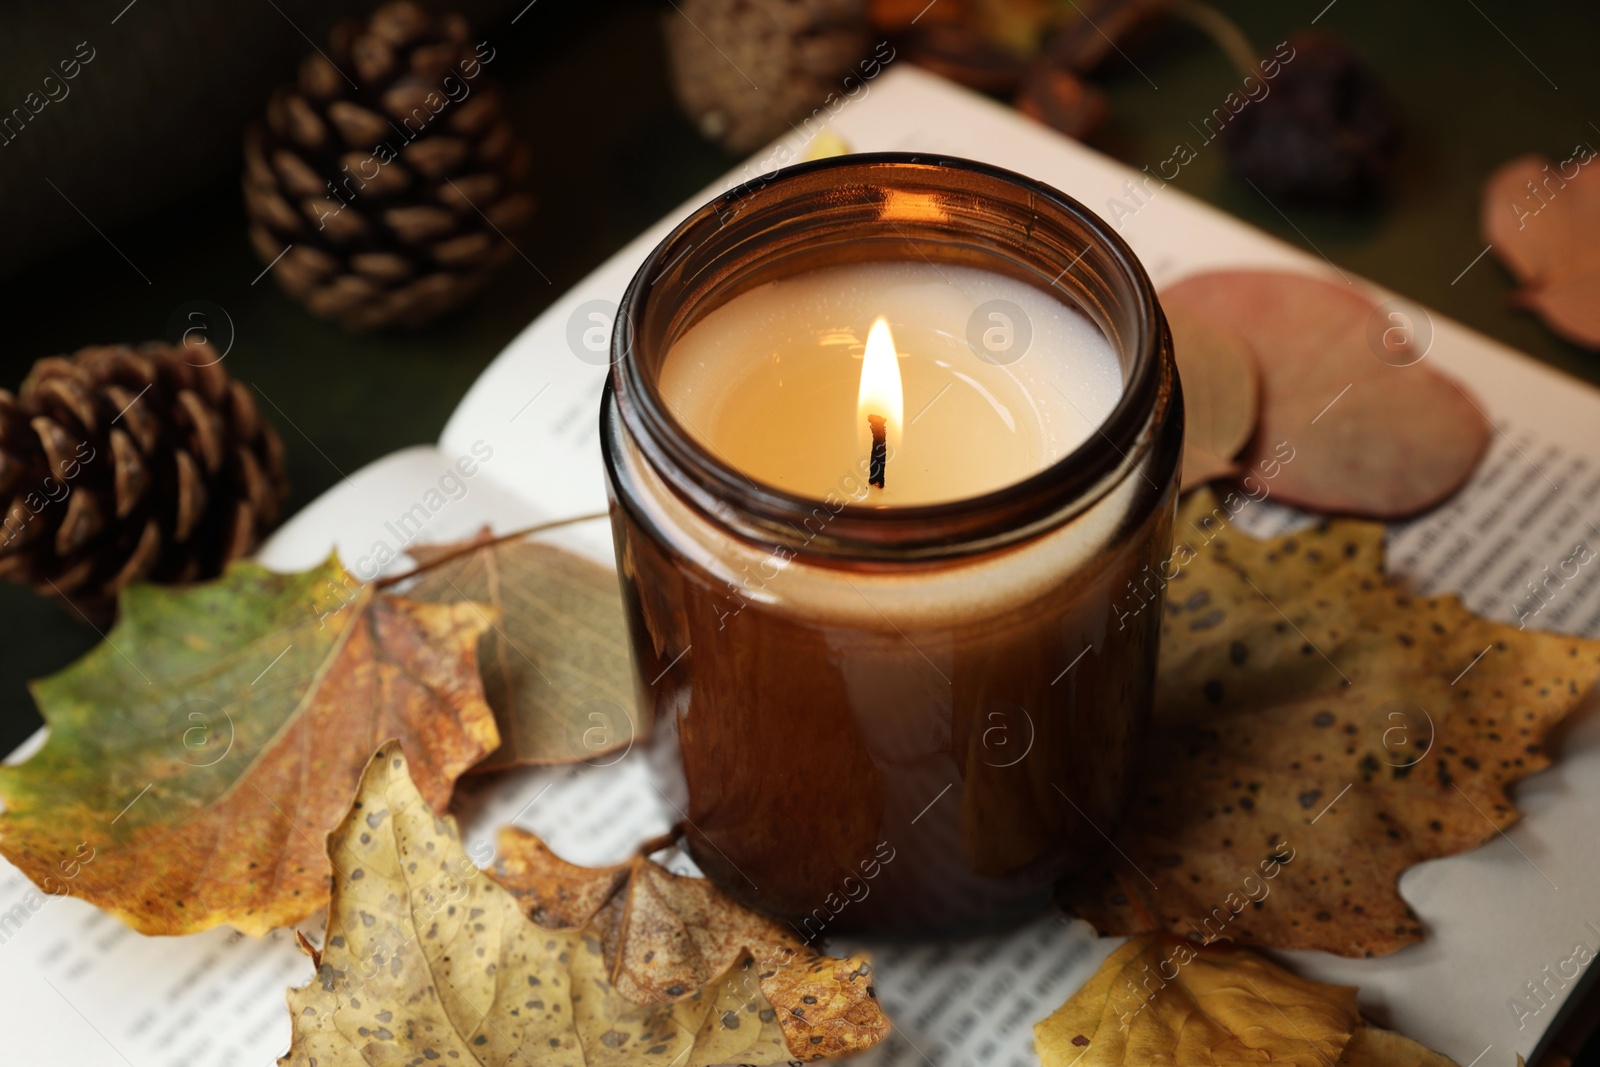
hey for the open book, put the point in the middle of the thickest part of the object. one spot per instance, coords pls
(76, 987)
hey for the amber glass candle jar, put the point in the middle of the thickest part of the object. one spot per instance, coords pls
(893, 719)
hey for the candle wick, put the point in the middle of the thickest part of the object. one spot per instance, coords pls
(880, 449)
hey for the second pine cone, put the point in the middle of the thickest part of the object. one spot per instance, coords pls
(388, 173)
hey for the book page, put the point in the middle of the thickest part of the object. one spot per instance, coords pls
(78, 988)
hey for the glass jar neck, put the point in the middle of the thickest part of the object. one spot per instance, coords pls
(893, 207)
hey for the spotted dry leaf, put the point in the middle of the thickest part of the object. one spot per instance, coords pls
(555, 663)
(202, 752)
(1320, 731)
(665, 935)
(1160, 999)
(1542, 219)
(426, 960)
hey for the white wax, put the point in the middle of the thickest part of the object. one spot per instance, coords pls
(769, 381)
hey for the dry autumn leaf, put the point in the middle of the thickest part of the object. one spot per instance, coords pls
(1017, 25)
(663, 934)
(425, 960)
(1161, 999)
(1372, 1047)
(1384, 438)
(207, 746)
(555, 663)
(1221, 389)
(1165, 1000)
(1321, 730)
(1543, 221)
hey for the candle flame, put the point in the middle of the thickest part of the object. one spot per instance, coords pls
(880, 385)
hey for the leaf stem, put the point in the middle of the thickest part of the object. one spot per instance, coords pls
(488, 542)
(1222, 30)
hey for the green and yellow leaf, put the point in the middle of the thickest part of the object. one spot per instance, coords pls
(201, 753)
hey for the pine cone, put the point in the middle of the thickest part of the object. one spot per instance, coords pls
(126, 464)
(388, 173)
(744, 69)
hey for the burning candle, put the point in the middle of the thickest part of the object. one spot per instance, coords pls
(784, 381)
(880, 402)
(886, 440)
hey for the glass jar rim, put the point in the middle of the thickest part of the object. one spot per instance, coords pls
(774, 517)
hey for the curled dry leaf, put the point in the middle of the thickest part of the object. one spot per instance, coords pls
(1200, 467)
(426, 960)
(1370, 437)
(1322, 730)
(1061, 100)
(202, 752)
(1543, 221)
(966, 57)
(555, 664)
(1165, 1000)
(1017, 25)
(1221, 389)
(1091, 31)
(1160, 999)
(1372, 1047)
(664, 935)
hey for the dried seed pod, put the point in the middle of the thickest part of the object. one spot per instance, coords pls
(743, 69)
(1326, 132)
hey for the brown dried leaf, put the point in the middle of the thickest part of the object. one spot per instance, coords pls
(1372, 1047)
(199, 756)
(1543, 221)
(1368, 437)
(1569, 305)
(1200, 467)
(1093, 29)
(555, 664)
(1165, 1000)
(1221, 388)
(898, 16)
(426, 961)
(1162, 1000)
(1541, 217)
(1061, 100)
(1017, 25)
(966, 57)
(1321, 731)
(664, 936)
